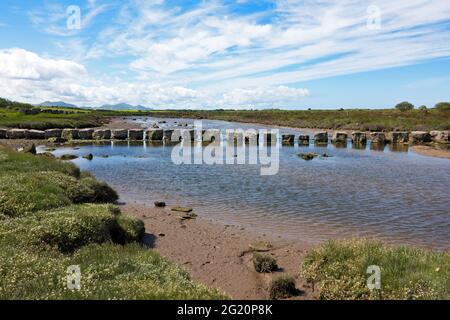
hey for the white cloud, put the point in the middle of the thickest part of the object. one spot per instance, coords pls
(209, 55)
(26, 76)
(263, 97)
(21, 64)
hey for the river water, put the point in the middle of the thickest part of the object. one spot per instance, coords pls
(386, 192)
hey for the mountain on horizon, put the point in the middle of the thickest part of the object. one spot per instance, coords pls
(122, 106)
(56, 104)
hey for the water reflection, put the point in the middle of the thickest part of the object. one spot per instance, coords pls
(350, 193)
(398, 147)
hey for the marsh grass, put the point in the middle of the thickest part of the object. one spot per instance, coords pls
(352, 119)
(48, 222)
(339, 270)
(282, 287)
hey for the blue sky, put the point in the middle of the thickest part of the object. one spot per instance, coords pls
(240, 54)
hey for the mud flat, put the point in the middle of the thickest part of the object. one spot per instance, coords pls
(219, 255)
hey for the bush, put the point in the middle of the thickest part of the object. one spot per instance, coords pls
(404, 106)
(127, 229)
(24, 193)
(443, 106)
(72, 227)
(282, 287)
(12, 161)
(339, 268)
(264, 263)
(109, 271)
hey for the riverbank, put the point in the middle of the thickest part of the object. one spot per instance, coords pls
(219, 255)
(432, 151)
(54, 219)
(351, 119)
(54, 224)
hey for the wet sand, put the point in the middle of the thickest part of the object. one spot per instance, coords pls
(431, 151)
(218, 255)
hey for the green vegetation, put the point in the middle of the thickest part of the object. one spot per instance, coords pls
(402, 118)
(356, 119)
(52, 217)
(20, 115)
(443, 106)
(264, 263)
(404, 106)
(282, 287)
(339, 269)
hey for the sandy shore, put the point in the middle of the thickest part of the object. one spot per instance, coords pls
(431, 151)
(219, 255)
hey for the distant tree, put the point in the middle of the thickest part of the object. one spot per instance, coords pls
(423, 107)
(404, 106)
(443, 106)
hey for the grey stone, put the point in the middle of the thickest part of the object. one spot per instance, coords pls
(211, 135)
(17, 133)
(321, 137)
(70, 134)
(303, 139)
(35, 135)
(270, 138)
(101, 134)
(420, 137)
(168, 135)
(155, 134)
(399, 137)
(86, 134)
(53, 133)
(440, 136)
(119, 134)
(339, 137)
(288, 138)
(3, 133)
(379, 137)
(359, 137)
(136, 134)
(251, 138)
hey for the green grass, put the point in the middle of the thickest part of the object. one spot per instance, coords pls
(339, 270)
(48, 223)
(351, 119)
(356, 119)
(12, 117)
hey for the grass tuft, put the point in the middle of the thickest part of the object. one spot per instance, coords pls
(282, 287)
(264, 263)
(339, 269)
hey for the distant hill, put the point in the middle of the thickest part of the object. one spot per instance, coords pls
(56, 104)
(122, 107)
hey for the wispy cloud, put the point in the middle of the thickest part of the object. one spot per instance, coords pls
(236, 53)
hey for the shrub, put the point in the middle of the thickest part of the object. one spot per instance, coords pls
(109, 271)
(24, 193)
(443, 106)
(339, 269)
(72, 227)
(282, 287)
(127, 229)
(12, 161)
(404, 106)
(85, 190)
(100, 191)
(264, 263)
